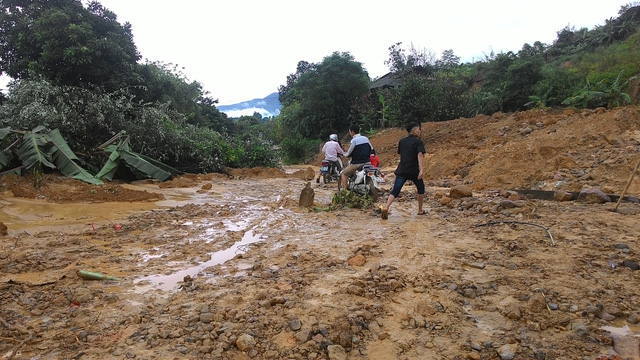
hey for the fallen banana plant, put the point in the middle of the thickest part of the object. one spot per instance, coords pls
(41, 149)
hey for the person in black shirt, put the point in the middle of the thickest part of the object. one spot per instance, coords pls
(359, 150)
(411, 150)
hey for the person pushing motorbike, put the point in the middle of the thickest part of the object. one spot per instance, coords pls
(359, 151)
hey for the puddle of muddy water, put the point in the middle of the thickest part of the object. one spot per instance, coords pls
(37, 215)
(170, 282)
(625, 330)
(34, 215)
(626, 340)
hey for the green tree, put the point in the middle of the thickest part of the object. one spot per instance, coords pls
(448, 61)
(402, 60)
(287, 93)
(165, 83)
(64, 42)
(321, 101)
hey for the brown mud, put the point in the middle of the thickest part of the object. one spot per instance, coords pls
(213, 266)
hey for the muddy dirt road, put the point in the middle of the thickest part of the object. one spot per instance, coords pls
(268, 280)
(211, 267)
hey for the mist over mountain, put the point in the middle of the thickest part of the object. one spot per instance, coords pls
(267, 107)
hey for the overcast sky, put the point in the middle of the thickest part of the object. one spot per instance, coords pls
(244, 49)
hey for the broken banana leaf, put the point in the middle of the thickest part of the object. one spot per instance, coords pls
(4, 160)
(32, 151)
(146, 165)
(4, 132)
(65, 160)
(110, 167)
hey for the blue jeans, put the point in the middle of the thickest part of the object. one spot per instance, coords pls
(399, 183)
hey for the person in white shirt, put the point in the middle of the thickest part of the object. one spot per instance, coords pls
(331, 150)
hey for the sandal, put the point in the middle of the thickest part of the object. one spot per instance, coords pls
(423, 212)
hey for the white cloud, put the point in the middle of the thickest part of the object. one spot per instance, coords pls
(235, 113)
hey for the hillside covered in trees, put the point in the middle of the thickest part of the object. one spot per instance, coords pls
(76, 70)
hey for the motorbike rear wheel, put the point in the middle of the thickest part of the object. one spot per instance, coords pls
(326, 178)
(373, 191)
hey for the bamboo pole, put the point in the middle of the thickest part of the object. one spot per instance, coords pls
(628, 184)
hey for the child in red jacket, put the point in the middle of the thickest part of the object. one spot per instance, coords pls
(374, 159)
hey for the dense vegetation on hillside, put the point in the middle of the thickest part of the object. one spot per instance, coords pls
(585, 68)
(75, 69)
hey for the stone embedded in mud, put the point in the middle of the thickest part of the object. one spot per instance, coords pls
(304, 335)
(560, 195)
(590, 309)
(633, 265)
(295, 325)
(507, 204)
(357, 260)
(206, 318)
(593, 196)
(469, 293)
(3, 229)
(474, 356)
(515, 196)
(580, 328)
(508, 351)
(460, 191)
(83, 295)
(613, 310)
(245, 342)
(628, 210)
(606, 316)
(306, 196)
(537, 303)
(317, 338)
(634, 317)
(336, 352)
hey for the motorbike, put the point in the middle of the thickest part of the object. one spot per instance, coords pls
(367, 180)
(330, 170)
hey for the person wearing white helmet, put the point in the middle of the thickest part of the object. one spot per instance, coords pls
(331, 150)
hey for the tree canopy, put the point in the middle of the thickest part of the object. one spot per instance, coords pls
(65, 42)
(318, 99)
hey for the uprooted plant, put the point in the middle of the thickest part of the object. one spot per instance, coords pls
(42, 149)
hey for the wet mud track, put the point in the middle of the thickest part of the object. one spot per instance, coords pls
(225, 269)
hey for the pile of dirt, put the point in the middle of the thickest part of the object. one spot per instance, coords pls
(60, 189)
(546, 149)
(540, 149)
(190, 180)
(307, 173)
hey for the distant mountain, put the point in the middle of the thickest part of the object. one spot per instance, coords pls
(267, 107)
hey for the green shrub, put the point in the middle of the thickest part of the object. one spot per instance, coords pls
(298, 150)
(87, 118)
(252, 152)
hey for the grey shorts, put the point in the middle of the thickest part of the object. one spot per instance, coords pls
(351, 168)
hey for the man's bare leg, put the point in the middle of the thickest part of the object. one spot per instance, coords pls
(385, 209)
